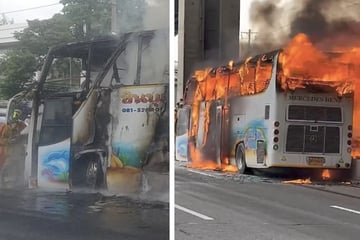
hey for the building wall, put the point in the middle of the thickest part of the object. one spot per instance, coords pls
(190, 39)
(208, 35)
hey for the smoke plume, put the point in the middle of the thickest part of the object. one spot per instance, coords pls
(328, 23)
(157, 15)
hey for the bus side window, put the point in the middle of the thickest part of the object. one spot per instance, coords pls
(267, 112)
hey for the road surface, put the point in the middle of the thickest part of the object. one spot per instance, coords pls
(211, 205)
(33, 214)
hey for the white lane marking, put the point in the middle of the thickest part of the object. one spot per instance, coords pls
(202, 173)
(199, 215)
(345, 209)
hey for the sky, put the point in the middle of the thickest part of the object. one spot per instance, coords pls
(244, 15)
(7, 6)
(49, 11)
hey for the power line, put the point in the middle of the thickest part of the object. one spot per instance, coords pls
(249, 34)
(32, 8)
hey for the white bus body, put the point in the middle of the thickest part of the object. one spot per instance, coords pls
(292, 129)
(301, 128)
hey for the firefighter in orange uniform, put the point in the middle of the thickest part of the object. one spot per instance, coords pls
(9, 146)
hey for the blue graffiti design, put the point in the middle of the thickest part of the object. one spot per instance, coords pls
(129, 155)
(56, 166)
(252, 132)
(181, 143)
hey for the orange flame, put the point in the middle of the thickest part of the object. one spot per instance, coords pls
(325, 174)
(339, 70)
(298, 181)
(300, 62)
(229, 168)
(199, 162)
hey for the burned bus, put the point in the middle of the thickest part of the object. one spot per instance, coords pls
(100, 114)
(253, 115)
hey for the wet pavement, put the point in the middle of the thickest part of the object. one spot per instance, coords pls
(36, 214)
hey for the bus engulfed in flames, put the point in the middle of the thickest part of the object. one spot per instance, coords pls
(300, 65)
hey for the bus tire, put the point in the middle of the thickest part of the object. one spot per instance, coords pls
(92, 174)
(88, 174)
(240, 159)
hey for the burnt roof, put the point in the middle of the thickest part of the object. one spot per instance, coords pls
(80, 49)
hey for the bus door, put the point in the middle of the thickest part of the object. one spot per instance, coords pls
(213, 148)
(54, 143)
(219, 135)
(225, 136)
(207, 139)
(181, 135)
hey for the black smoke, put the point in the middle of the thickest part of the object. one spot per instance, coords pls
(328, 23)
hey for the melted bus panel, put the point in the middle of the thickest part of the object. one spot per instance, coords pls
(99, 116)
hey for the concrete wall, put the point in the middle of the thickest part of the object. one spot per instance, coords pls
(190, 39)
(208, 35)
(229, 31)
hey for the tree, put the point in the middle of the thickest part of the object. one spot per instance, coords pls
(130, 15)
(93, 17)
(79, 20)
(18, 67)
(89, 17)
(39, 36)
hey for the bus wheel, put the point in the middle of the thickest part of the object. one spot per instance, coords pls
(87, 174)
(240, 159)
(92, 174)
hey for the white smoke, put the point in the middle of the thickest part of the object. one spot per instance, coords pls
(157, 15)
(155, 55)
(155, 60)
(155, 64)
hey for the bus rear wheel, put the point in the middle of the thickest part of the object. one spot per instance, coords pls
(240, 159)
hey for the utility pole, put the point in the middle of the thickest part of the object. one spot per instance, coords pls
(249, 37)
(114, 29)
